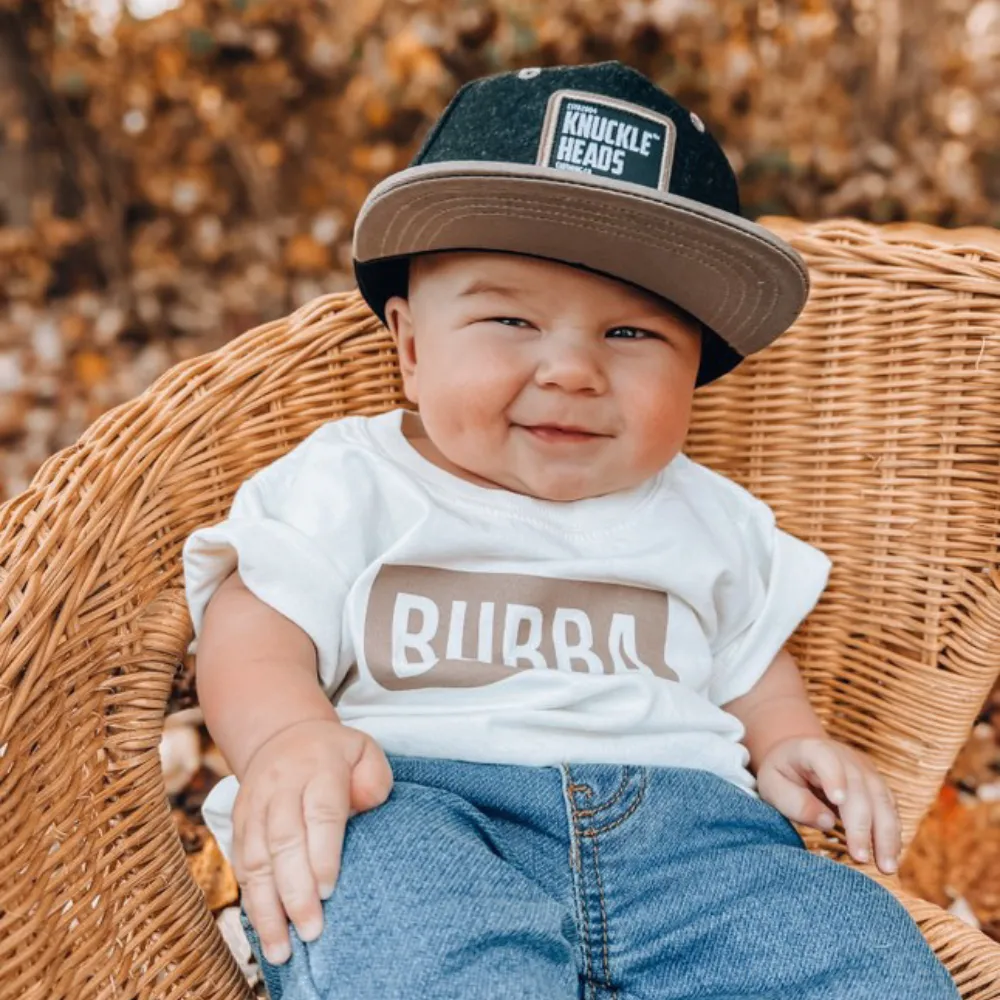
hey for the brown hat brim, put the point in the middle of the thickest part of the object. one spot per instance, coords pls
(743, 282)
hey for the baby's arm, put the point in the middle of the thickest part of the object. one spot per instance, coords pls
(776, 708)
(301, 772)
(805, 774)
(256, 673)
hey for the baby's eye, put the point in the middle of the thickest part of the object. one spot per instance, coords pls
(633, 333)
(509, 320)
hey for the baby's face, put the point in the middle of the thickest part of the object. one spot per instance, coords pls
(540, 378)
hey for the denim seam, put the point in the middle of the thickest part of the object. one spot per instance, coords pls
(588, 966)
(604, 922)
(578, 831)
(576, 867)
(614, 800)
(596, 831)
(585, 937)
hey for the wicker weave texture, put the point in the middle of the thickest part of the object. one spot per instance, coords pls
(873, 429)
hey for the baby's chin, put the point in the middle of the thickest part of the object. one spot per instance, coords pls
(556, 490)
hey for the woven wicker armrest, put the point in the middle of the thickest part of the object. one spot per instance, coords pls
(96, 899)
(972, 958)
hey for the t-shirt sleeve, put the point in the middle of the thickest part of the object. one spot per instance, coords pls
(279, 561)
(783, 578)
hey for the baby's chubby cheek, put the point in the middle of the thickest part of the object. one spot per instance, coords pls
(658, 424)
(465, 406)
(465, 431)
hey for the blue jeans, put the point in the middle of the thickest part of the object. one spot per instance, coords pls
(496, 882)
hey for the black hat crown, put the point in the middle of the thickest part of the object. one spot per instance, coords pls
(605, 119)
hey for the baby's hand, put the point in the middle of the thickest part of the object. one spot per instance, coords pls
(296, 796)
(795, 770)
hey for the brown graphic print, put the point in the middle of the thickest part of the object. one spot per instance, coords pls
(428, 627)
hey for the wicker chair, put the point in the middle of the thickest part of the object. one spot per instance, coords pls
(873, 429)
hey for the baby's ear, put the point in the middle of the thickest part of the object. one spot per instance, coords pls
(399, 320)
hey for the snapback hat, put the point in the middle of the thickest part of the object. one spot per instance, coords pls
(597, 167)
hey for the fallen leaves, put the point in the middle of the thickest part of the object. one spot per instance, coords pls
(214, 876)
(955, 858)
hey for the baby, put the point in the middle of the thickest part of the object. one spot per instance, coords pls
(502, 681)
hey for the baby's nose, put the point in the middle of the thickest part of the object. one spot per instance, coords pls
(571, 366)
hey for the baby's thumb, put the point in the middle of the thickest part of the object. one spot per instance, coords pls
(795, 800)
(371, 779)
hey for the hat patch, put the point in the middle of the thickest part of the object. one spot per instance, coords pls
(593, 134)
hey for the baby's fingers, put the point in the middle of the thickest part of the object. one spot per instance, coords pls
(888, 839)
(824, 769)
(287, 844)
(856, 812)
(794, 800)
(326, 805)
(252, 867)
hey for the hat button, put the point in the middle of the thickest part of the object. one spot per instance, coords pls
(528, 74)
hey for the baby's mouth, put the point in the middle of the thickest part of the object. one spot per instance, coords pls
(556, 434)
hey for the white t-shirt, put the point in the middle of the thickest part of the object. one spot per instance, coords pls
(486, 625)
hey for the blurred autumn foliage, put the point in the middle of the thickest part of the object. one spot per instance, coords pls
(166, 183)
